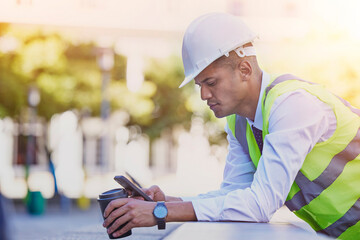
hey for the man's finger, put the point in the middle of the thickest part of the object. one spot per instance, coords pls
(117, 223)
(150, 194)
(149, 191)
(114, 204)
(113, 215)
(123, 230)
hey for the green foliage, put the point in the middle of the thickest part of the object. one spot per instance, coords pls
(169, 100)
(12, 92)
(3, 28)
(138, 105)
(119, 70)
(68, 77)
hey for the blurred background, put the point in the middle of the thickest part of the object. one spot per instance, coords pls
(89, 90)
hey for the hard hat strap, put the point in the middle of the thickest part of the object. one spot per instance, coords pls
(245, 51)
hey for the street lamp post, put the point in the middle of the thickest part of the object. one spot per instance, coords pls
(33, 101)
(35, 201)
(105, 60)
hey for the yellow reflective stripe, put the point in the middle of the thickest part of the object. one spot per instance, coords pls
(350, 218)
(254, 150)
(293, 190)
(351, 233)
(231, 120)
(278, 80)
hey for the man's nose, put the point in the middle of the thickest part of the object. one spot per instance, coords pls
(205, 93)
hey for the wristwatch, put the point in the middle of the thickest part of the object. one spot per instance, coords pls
(160, 212)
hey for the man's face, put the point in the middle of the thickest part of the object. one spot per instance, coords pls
(223, 89)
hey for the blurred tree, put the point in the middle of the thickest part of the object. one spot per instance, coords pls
(169, 100)
(3, 28)
(119, 70)
(12, 92)
(68, 77)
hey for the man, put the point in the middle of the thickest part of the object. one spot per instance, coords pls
(290, 141)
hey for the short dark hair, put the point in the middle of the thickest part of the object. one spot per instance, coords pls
(231, 61)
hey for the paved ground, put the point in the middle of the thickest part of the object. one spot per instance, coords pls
(52, 222)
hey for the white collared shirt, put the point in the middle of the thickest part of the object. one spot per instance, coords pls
(297, 121)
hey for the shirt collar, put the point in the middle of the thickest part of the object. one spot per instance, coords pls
(258, 121)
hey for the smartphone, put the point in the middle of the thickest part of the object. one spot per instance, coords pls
(123, 181)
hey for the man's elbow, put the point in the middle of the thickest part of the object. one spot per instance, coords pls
(250, 216)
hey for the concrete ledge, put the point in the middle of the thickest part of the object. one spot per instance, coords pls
(240, 230)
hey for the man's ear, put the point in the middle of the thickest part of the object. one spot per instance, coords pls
(245, 69)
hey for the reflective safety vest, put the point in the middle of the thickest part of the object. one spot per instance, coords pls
(326, 190)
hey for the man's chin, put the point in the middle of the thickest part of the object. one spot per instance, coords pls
(219, 115)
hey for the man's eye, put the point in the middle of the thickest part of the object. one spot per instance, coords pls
(212, 83)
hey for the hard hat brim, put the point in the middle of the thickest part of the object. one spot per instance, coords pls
(192, 76)
(186, 81)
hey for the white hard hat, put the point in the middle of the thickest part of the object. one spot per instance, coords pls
(211, 36)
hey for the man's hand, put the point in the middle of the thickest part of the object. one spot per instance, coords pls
(158, 195)
(138, 213)
(133, 212)
(155, 193)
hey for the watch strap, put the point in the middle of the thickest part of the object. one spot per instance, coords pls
(160, 221)
(161, 224)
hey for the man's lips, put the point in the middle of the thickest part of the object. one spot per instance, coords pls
(212, 105)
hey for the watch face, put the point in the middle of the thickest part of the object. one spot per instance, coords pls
(160, 211)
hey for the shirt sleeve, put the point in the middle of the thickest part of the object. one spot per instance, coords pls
(238, 172)
(297, 121)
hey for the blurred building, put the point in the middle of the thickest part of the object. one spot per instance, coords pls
(156, 27)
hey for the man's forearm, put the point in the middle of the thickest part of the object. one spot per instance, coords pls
(172, 199)
(180, 211)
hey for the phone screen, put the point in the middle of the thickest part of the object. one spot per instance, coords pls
(123, 181)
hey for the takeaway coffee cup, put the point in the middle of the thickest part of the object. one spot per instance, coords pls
(105, 198)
